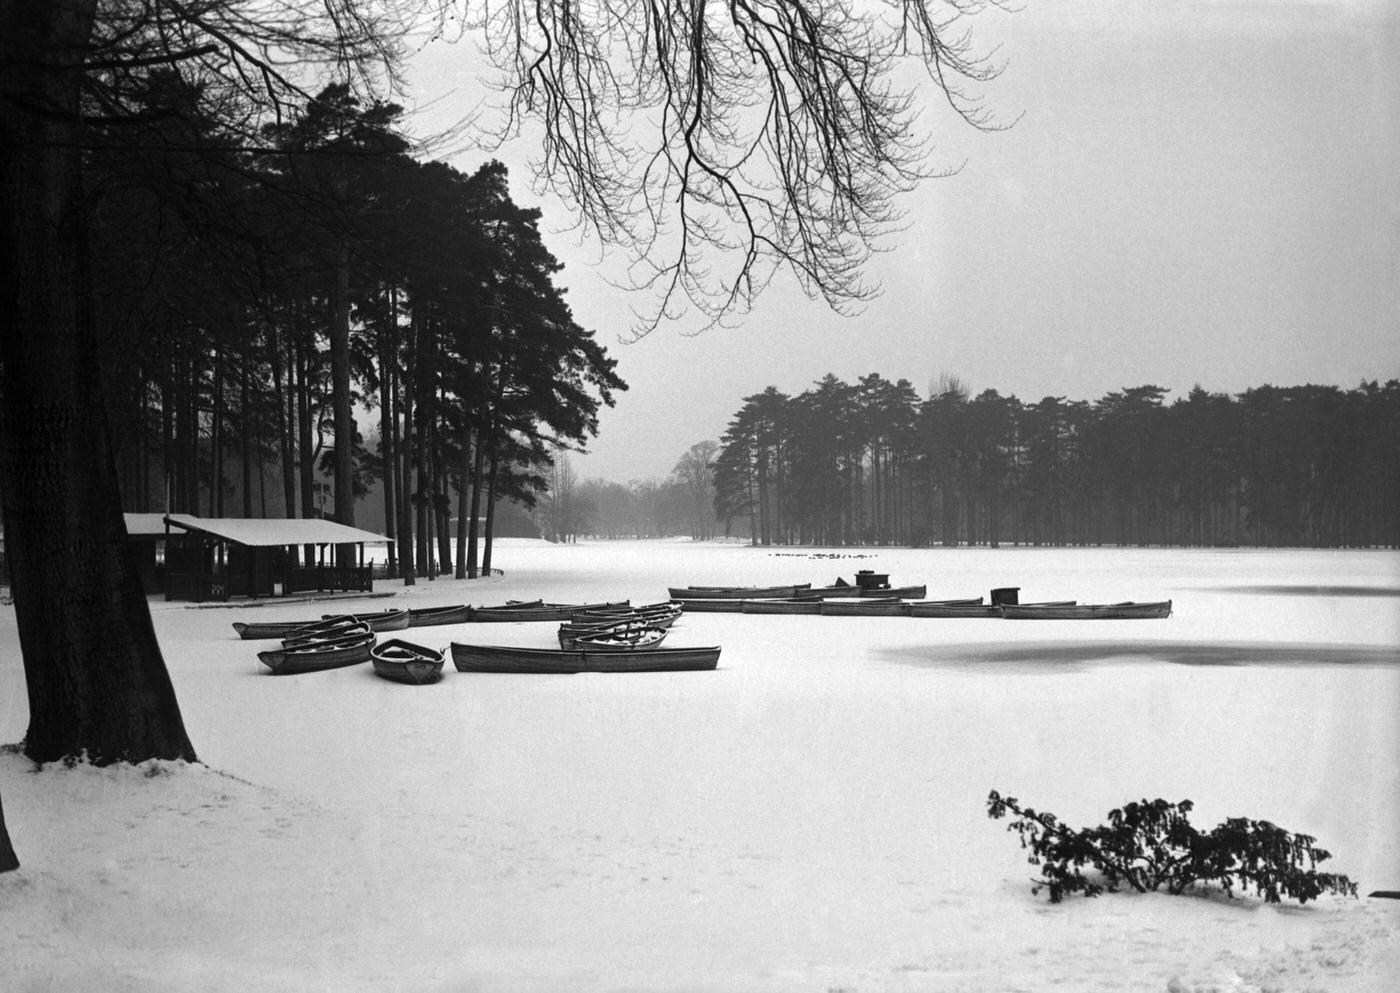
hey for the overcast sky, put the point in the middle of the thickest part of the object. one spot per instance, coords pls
(1197, 192)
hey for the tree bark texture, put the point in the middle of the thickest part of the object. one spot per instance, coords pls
(96, 680)
(9, 861)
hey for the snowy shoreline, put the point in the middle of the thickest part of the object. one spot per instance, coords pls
(810, 816)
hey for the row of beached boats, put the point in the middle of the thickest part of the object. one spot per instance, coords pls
(872, 596)
(402, 618)
(970, 607)
(592, 638)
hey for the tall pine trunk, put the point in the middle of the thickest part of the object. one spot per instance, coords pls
(245, 436)
(344, 417)
(474, 511)
(387, 429)
(407, 446)
(97, 683)
(465, 479)
(488, 537)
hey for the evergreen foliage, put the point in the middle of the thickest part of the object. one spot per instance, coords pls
(873, 463)
(1151, 845)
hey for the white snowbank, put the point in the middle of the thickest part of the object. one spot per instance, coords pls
(810, 816)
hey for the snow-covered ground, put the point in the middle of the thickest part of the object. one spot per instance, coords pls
(808, 817)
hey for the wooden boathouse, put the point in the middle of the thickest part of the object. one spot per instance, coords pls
(218, 558)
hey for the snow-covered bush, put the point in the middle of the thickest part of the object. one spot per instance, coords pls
(1151, 845)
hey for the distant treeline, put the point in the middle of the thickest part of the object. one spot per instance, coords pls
(874, 463)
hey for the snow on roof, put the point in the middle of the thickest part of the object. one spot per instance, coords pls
(145, 525)
(270, 532)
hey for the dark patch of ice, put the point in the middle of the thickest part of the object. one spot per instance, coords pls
(1037, 658)
(1303, 589)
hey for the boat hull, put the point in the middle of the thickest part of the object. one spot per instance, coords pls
(970, 608)
(406, 662)
(736, 592)
(954, 610)
(541, 612)
(629, 635)
(1088, 611)
(315, 658)
(863, 607)
(380, 620)
(457, 613)
(727, 605)
(504, 659)
(797, 605)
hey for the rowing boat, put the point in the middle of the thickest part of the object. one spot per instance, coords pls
(724, 605)
(737, 592)
(329, 654)
(337, 629)
(406, 662)
(267, 630)
(394, 619)
(501, 658)
(627, 634)
(970, 608)
(664, 613)
(1128, 610)
(453, 613)
(538, 611)
(865, 607)
(789, 605)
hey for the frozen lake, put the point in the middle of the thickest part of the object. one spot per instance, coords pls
(810, 816)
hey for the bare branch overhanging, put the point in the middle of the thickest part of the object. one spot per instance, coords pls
(725, 140)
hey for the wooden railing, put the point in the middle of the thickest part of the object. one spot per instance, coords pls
(328, 577)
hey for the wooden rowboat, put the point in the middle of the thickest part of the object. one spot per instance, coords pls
(865, 607)
(329, 654)
(394, 619)
(664, 608)
(454, 613)
(737, 592)
(1128, 610)
(538, 611)
(722, 605)
(337, 630)
(789, 605)
(406, 662)
(501, 658)
(969, 608)
(627, 635)
(267, 630)
(593, 625)
(665, 613)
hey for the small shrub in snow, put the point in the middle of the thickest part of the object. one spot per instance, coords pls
(1151, 845)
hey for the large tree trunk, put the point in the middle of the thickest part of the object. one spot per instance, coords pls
(96, 680)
